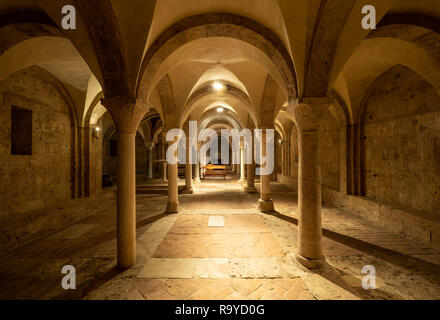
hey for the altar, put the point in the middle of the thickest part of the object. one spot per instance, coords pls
(214, 170)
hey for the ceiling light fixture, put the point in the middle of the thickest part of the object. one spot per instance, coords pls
(218, 86)
(95, 132)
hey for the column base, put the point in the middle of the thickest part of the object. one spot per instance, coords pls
(310, 263)
(265, 206)
(188, 190)
(250, 190)
(197, 181)
(242, 181)
(172, 207)
(125, 265)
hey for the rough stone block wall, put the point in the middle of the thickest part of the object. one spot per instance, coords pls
(294, 153)
(402, 142)
(109, 163)
(43, 178)
(422, 228)
(329, 151)
(96, 162)
(20, 229)
(141, 157)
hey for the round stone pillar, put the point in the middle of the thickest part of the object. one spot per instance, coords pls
(126, 124)
(242, 164)
(197, 173)
(150, 147)
(188, 170)
(250, 187)
(164, 162)
(126, 196)
(173, 191)
(265, 203)
(309, 183)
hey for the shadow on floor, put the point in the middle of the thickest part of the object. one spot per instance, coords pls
(391, 256)
(90, 285)
(85, 288)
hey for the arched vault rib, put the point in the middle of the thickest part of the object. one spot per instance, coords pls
(169, 108)
(207, 91)
(13, 34)
(227, 114)
(268, 104)
(103, 28)
(217, 26)
(374, 57)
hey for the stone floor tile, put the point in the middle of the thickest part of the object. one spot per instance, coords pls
(168, 268)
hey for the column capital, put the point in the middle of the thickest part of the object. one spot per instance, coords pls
(150, 145)
(117, 102)
(125, 112)
(308, 111)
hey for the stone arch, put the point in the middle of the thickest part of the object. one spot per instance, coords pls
(268, 104)
(169, 108)
(93, 108)
(75, 149)
(18, 26)
(217, 25)
(207, 91)
(103, 28)
(69, 139)
(404, 130)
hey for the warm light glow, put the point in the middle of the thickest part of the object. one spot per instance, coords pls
(220, 109)
(217, 86)
(97, 129)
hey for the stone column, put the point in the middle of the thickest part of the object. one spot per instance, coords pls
(306, 113)
(188, 170)
(265, 203)
(126, 124)
(197, 177)
(173, 191)
(150, 146)
(250, 187)
(164, 163)
(242, 164)
(126, 217)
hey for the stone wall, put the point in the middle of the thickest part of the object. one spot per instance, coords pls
(329, 151)
(109, 162)
(43, 178)
(419, 227)
(141, 157)
(294, 152)
(290, 182)
(20, 229)
(96, 161)
(401, 149)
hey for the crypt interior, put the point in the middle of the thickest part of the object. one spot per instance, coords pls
(84, 116)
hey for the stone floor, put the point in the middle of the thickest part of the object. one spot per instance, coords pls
(245, 255)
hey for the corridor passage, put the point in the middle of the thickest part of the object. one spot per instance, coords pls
(219, 247)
